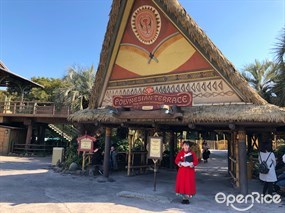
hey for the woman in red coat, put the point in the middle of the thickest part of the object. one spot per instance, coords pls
(185, 179)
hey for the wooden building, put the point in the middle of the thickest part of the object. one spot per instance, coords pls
(12, 80)
(158, 70)
(9, 136)
(10, 133)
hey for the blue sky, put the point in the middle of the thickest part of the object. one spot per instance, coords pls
(45, 37)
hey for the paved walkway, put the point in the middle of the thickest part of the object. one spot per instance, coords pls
(28, 185)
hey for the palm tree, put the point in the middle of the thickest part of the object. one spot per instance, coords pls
(279, 87)
(261, 76)
(78, 84)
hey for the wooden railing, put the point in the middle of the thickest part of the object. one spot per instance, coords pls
(33, 108)
(43, 149)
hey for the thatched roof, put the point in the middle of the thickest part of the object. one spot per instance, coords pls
(189, 27)
(105, 52)
(234, 113)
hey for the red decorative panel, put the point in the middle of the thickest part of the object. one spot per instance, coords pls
(149, 39)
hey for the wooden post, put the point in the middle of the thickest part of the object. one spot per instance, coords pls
(171, 150)
(224, 137)
(175, 140)
(53, 109)
(249, 143)
(15, 108)
(29, 135)
(229, 153)
(242, 162)
(236, 155)
(22, 95)
(130, 138)
(107, 151)
(35, 108)
(145, 139)
(38, 133)
(83, 161)
(154, 175)
(275, 141)
(41, 133)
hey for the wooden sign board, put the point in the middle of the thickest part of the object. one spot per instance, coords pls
(155, 148)
(154, 100)
(85, 143)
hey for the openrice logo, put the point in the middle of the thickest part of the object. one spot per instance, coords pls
(250, 199)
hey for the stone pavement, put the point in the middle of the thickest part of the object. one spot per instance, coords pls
(29, 185)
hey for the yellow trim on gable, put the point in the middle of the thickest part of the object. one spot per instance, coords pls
(168, 57)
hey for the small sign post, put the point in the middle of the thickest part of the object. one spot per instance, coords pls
(85, 144)
(155, 153)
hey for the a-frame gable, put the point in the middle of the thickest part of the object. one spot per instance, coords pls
(150, 50)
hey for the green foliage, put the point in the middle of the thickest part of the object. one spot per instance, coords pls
(267, 77)
(138, 145)
(261, 76)
(121, 143)
(71, 154)
(49, 92)
(121, 139)
(2, 95)
(78, 84)
(280, 151)
(73, 89)
(279, 50)
(13, 94)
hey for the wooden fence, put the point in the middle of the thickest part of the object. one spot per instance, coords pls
(33, 108)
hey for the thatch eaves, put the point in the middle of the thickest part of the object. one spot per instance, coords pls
(232, 113)
(105, 54)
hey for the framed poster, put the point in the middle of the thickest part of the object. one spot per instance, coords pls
(85, 143)
(155, 148)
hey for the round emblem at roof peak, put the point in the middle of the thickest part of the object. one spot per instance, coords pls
(146, 24)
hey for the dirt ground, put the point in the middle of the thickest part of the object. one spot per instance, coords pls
(28, 184)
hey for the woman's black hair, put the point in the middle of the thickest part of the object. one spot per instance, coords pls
(186, 142)
(266, 147)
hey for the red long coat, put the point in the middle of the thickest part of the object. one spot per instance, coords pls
(185, 179)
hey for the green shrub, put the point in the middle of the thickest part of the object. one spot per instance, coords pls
(280, 151)
(71, 154)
